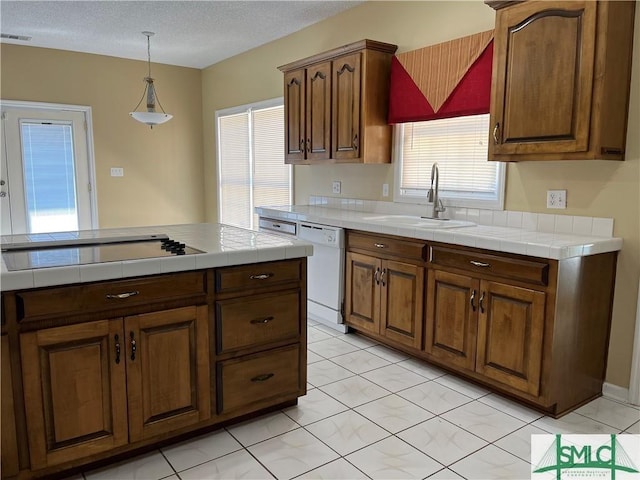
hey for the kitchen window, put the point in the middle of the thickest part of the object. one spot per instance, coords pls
(251, 168)
(459, 145)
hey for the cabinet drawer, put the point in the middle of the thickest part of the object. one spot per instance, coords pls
(258, 275)
(389, 246)
(68, 300)
(256, 379)
(259, 320)
(530, 271)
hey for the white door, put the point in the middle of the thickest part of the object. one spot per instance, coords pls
(46, 170)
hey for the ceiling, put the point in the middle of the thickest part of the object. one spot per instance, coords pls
(187, 33)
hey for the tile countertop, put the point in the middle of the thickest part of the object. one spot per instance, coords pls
(223, 245)
(498, 238)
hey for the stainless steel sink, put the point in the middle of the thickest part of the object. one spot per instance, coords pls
(418, 222)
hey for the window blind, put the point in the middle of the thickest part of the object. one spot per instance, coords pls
(272, 177)
(234, 181)
(459, 146)
(252, 171)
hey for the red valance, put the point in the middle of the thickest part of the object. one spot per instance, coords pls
(452, 79)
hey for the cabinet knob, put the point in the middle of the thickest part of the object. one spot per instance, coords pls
(495, 133)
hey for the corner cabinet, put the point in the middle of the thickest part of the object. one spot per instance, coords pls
(568, 63)
(336, 105)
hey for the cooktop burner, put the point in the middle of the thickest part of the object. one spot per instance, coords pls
(26, 256)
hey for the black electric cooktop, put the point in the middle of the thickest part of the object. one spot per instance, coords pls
(43, 255)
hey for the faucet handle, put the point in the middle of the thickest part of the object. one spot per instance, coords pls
(440, 207)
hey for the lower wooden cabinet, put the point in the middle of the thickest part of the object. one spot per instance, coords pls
(75, 392)
(492, 328)
(10, 463)
(535, 329)
(385, 297)
(511, 324)
(109, 376)
(94, 386)
(259, 378)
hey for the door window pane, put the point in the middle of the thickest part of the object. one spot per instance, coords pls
(49, 177)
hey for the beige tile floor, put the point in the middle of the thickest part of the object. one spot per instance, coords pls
(373, 412)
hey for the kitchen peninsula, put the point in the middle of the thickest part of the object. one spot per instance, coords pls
(100, 358)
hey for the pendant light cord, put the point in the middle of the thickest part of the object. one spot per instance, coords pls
(149, 80)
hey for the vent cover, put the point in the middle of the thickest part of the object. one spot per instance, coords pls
(10, 36)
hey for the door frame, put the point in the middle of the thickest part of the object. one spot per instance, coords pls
(87, 112)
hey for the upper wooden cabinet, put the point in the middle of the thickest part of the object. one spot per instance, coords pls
(561, 80)
(336, 105)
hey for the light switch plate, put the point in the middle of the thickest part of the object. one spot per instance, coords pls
(556, 199)
(336, 187)
(385, 189)
(117, 172)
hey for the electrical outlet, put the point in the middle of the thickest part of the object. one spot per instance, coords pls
(336, 187)
(556, 199)
(117, 172)
(385, 189)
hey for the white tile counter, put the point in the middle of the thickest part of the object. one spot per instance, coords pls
(223, 245)
(538, 235)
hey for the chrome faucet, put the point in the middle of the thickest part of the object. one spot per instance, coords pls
(432, 196)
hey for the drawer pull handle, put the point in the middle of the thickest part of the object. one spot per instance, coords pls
(384, 271)
(479, 264)
(380, 245)
(117, 340)
(258, 321)
(262, 378)
(473, 297)
(481, 305)
(119, 296)
(133, 346)
(262, 276)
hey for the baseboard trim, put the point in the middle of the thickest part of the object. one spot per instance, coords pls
(615, 392)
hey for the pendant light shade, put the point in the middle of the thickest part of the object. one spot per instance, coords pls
(150, 117)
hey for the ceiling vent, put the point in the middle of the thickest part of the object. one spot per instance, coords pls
(9, 36)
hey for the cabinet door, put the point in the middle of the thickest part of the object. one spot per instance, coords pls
(451, 318)
(294, 122)
(510, 332)
(346, 89)
(401, 302)
(9, 443)
(543, 69)
(167, 370)
(362, 302)
(318, 114)
(74, 391)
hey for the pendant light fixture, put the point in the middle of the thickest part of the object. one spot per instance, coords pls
(150, 117)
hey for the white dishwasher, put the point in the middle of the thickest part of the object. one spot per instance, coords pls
(325, 273)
